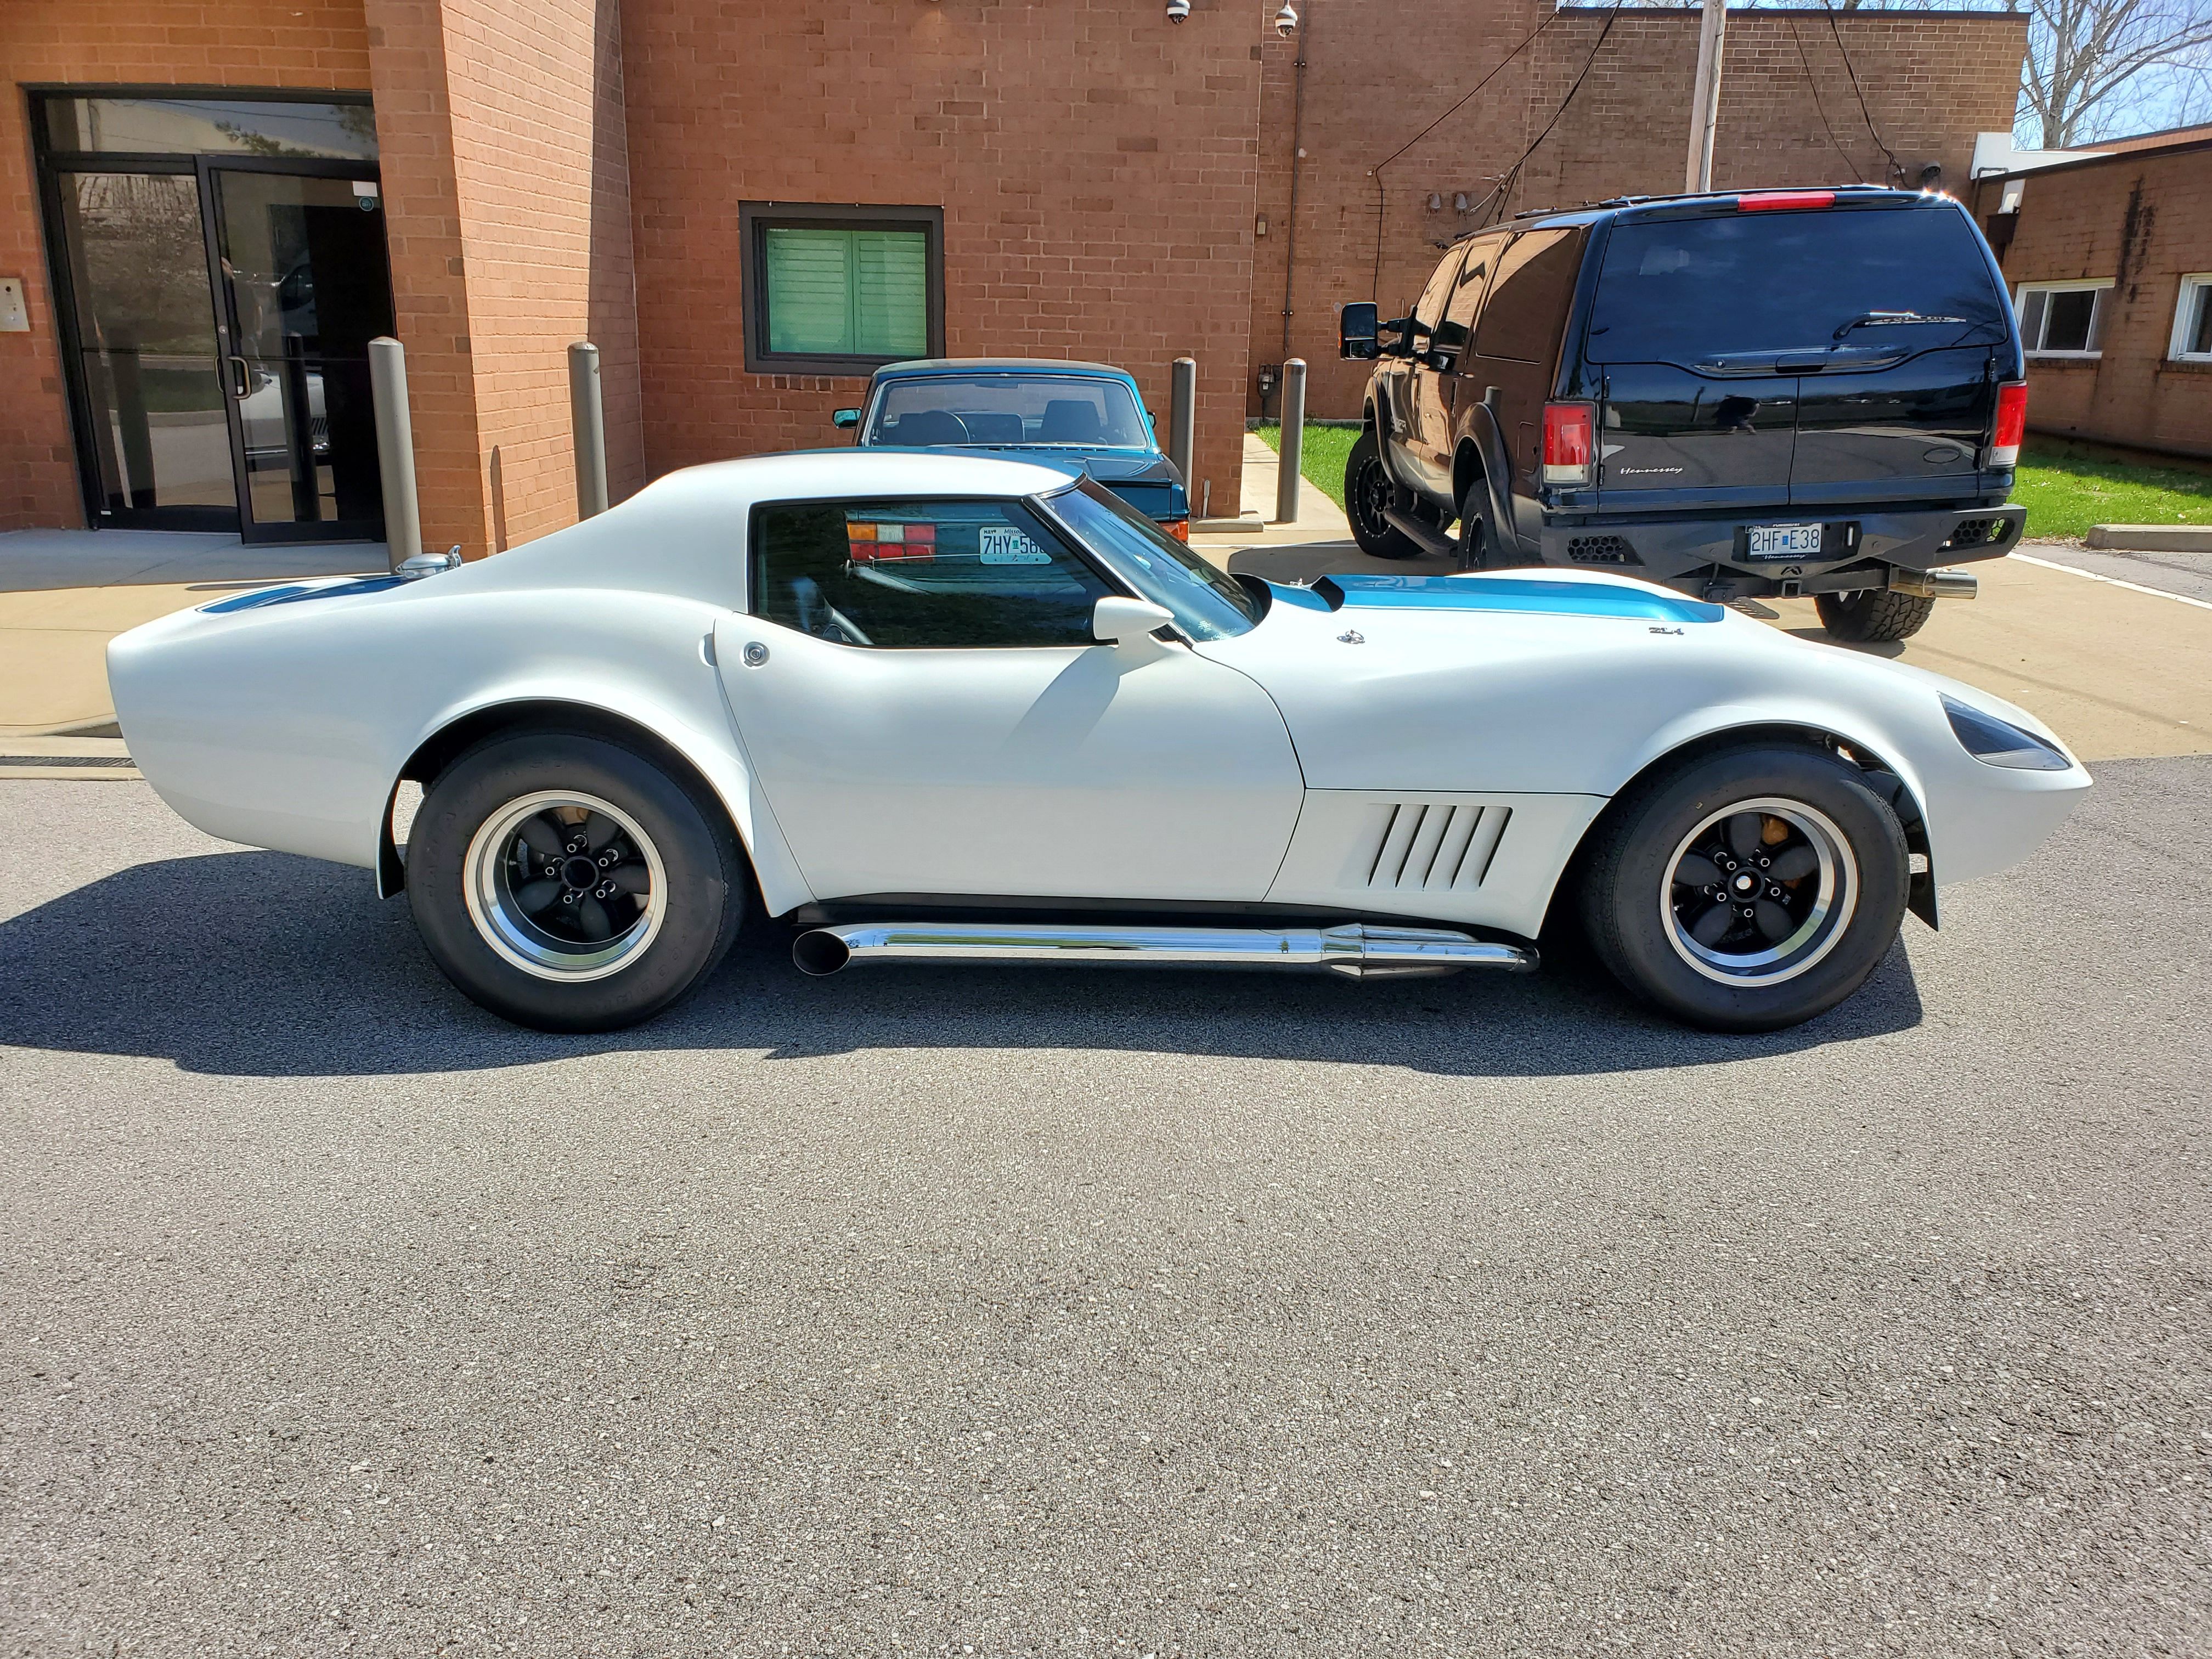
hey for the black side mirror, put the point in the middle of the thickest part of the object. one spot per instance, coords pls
(1357, 332)
(844, 419)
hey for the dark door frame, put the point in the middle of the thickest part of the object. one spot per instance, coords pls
(49, 165)
(211, 231)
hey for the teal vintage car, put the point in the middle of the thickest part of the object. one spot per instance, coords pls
(1087, 416)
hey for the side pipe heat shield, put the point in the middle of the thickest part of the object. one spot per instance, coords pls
(1359, 949)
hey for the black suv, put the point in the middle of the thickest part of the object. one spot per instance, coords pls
(1776, 392)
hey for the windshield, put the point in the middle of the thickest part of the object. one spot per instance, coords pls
(1209, 604)
(993, 411)
(1679, 289)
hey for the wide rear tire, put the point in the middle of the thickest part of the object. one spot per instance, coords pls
(1367, 493)
(1873, 614)
(1749, 889)
(567, 882)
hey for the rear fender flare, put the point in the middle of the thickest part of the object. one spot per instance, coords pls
(718, 759)
(1482, 448)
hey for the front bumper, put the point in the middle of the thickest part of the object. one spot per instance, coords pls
(1857, 549)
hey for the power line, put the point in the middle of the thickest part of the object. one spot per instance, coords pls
(1857, 174)
(1511, 179)
(1895, 165)
(1375, 171)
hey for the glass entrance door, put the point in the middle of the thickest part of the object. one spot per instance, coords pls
(302, 287)
(221, 264)
(152, 415)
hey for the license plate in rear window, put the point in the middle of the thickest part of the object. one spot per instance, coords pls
(1782, 540)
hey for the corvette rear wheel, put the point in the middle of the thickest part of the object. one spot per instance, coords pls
(564, 881)
(1748, 889)
(1367, 493)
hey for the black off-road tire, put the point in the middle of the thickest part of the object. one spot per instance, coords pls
(1630, 888)
(700, 866)
(1367, 491)
(1873, 614)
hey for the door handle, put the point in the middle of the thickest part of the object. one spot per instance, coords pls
(239, 388)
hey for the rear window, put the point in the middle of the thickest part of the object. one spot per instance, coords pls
(1678, 290)
(988, 410)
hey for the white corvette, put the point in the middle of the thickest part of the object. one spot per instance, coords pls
(926, 707)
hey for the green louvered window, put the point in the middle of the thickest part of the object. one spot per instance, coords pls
(842, 293)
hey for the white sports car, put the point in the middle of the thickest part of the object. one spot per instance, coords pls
(930, 707)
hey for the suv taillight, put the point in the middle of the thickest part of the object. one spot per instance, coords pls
(2011, 424)
(1570, 444)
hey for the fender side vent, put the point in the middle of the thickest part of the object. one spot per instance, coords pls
(1436, 849)
(1600, 550)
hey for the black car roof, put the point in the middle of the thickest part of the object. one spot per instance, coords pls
(1704, 203)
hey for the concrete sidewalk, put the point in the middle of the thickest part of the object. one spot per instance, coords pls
(1320, 519)
(63, 594)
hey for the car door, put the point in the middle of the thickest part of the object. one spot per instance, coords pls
(1413, 456)
(919, 695)
(1427, 442)
(1514, 348)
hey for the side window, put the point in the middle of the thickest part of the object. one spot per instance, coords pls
(1466, 293)
(920, 575)
(1432, 306)
(1528, 296)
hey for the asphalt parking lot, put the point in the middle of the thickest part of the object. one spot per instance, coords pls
(1006, 1312)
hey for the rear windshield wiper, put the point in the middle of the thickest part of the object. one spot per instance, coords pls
(1890, 319)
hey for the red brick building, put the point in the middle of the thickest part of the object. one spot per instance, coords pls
(2110, 259)
(195, 198)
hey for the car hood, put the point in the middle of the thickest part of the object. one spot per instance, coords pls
(1566, 682)
(1109, 466)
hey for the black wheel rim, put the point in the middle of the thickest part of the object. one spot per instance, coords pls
(1760, 891)
(565, 886)
(1371, 499)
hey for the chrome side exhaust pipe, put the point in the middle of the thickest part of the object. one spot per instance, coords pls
(1360, 950)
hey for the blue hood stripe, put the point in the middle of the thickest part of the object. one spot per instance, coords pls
(1511, 593)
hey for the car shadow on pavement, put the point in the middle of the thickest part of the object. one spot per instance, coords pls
(263, 964)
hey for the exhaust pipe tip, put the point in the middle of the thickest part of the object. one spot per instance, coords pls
(818, 952)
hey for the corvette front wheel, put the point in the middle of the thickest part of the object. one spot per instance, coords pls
(566, 881)
(1748, 889)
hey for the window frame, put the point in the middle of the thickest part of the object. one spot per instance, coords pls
(2099, 285)
(2194, 283)
(756, 219)
(756, 570)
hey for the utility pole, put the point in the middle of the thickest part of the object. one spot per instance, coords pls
(1706, 100)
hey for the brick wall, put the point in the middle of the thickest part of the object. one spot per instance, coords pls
(251, 43)
(2144, 220)
(1095, 166)
(1931, 81)
(506, 161)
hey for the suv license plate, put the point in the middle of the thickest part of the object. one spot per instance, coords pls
(1783, 541)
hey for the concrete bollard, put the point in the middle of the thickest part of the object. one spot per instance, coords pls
(587, 418)
(395, 448)
(1182, 414)
(1294, 441)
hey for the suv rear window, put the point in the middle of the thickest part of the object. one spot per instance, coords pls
(1674, 291)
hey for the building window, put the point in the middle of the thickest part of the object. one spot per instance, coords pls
(841, 290)
(2062, 319)
(2192, 320)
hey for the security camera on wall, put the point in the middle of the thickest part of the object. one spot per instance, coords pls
(1177, 10)
(1287, 21)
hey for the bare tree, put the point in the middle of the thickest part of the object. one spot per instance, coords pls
(2091, 61)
